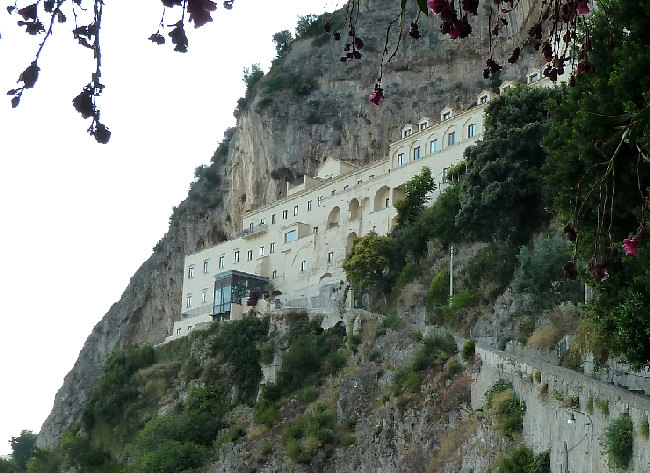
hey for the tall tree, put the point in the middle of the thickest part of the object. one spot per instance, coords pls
(501, 195)
(21, 447)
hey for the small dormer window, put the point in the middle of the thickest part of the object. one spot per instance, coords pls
(533, 78)
(446, 115)
(424, 126)
(483, 99)
(407, 132)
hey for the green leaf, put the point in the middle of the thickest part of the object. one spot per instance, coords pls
(423, 6)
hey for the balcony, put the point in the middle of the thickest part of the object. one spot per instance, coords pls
(253, 230)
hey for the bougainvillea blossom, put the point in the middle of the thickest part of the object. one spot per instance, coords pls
(199, 11)
(630, 246)
(377, 95)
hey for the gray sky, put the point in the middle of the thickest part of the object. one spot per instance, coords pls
(78, 218)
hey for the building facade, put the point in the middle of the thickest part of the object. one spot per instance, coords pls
(300, 241)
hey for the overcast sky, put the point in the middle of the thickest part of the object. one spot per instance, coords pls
(78, 218)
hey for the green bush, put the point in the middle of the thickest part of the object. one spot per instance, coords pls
(171, 456)
(540, 277)
(267, 352)
(307, 394)
(317, 426)
(237, 341)
(438, 292)
(522, 460)
(602, 406)
(434, 350)
(644, 429)
(589, 405)
(538, 378)
(468, 349)
(498, 387)
(510, 413)
(408, 274)
(490, 270)
(312, 353)
(618, 442)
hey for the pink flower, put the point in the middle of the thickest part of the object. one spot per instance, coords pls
(377, 95)
(437, 6)
(583, 7)
(630, 246)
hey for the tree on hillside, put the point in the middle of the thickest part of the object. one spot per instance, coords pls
(282, 40)
(368, 262)
(599, 139)
(21, 447)
(501, 194)
(415, 196)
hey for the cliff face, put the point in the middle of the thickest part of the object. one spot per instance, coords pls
(282, 133)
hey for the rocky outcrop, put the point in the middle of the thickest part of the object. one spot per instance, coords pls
(283, 135)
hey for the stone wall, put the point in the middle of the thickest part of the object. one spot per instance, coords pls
(574, 447)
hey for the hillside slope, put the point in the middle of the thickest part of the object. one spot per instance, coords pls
(283, 133)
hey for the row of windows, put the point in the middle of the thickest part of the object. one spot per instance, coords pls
(433, 144)
(274, 275)
(206, 269)
(310, 206)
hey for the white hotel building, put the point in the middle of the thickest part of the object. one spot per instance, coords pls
(297, 244)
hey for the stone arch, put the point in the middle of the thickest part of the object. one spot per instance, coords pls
(365, 202)
(355, 209)
(398, 193)
(333, 217)
(350, 242)
(381, 196)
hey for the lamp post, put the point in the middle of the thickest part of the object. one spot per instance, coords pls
(571, 421)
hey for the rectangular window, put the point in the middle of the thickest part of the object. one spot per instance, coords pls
(451, 138)
(400, 159)
(372, 176)
(309, 205)
(188, 301)
(190, 272)
(204, 295)
(206, 267)
(285, 214)
(320, 199)
(484, 99)
(434, 146)
(346, 188)
(261, 251)
(273, 219)
(236, 259)
(315, 230)
(222, 261)
(416, 153)
(262, 221)
(387, 202)
(274, 274)
(446, 116)
(189, 328)
(471, 130)
(272, 247)
(424, 126)
(359, 182)
(533, 78)
(291, 236)
(303, 266)
(295, 210)
(330, 257)
(178, 331)
(250, 255)
(334, 192)
(445, 175)
(407, 133)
